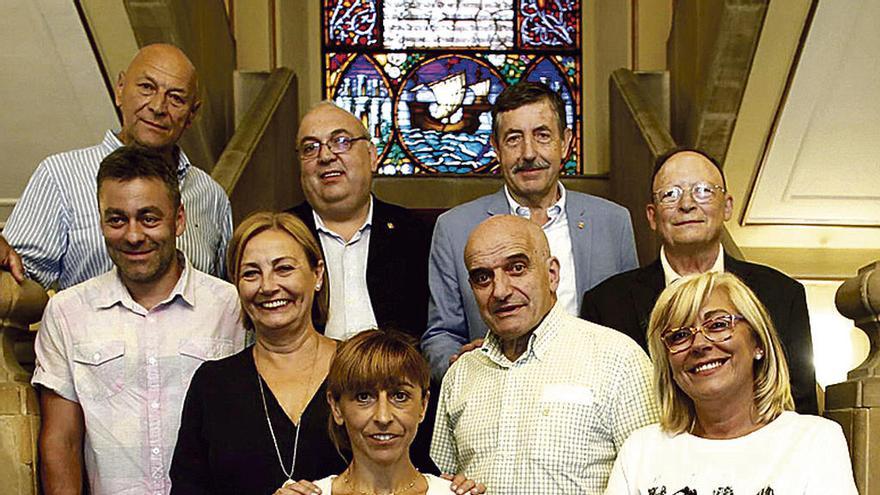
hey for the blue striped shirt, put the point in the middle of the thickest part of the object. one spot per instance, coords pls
(56, 227)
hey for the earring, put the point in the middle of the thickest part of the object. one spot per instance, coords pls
(317, 287)
(759, 355)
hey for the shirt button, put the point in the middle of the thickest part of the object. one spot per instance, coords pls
(96, 356)
(155, 405)
(156, 450)
(152, 361)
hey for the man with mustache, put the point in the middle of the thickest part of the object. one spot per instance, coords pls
(115, 354)
(688, 208)
(546, 403)
(53, 234)
(591, 237)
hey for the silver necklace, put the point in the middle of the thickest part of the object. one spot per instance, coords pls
(275, 442)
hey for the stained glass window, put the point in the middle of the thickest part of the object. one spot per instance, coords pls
(423, 74)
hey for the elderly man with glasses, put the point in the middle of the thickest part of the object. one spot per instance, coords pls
(688, 208)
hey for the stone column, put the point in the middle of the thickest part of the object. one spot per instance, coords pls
(855, 403)
(20, 305)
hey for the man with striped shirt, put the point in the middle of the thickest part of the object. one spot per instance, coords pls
(54, 230)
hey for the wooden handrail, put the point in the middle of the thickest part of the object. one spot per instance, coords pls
(257, 167)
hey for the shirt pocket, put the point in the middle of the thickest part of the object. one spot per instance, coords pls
(99, 368)
(195, 351)
(561, 440)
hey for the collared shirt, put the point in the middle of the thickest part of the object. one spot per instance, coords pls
(351, 310)
(670, 275)
(56, 226)
(129, 369)
(559, 238)
(553, 420)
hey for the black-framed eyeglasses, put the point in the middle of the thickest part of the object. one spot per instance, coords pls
(716, 329)
(336, 145)
(701, 192)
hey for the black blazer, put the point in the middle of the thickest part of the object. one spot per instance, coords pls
(624, 302)
(397, 266)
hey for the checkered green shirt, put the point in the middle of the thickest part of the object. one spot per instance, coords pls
(553, 420)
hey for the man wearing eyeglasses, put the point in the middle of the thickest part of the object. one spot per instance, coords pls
(376, 253)
(688, 208)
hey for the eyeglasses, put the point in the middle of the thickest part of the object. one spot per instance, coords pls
(701, 192)
(716, 329)
(336, 145)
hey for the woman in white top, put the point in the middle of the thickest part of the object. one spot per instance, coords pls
(727, 425)
(377, 389)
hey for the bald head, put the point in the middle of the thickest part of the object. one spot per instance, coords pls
(512, 273)
(158, 97)
(169, 57)
(500, 227)
(337, 179)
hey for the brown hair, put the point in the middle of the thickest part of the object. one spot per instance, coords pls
(373, 360)
(525, 93)
(127, 163)
(290, 224)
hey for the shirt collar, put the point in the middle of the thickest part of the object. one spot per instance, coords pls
(670, 275)
(523, 211)
(368, 222)
(539, 341)
(111, 141)
(113, 291)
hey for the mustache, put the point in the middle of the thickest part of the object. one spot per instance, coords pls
(524, 166)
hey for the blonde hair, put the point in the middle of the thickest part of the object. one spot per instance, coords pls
(678, 306)
(261, 221)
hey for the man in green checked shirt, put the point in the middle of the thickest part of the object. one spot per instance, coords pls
(546, 402)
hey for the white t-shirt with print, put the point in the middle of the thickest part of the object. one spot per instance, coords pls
(793, 455)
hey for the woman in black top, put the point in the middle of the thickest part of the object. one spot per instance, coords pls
(256, 420)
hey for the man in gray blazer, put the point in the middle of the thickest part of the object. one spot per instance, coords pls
(591, 237)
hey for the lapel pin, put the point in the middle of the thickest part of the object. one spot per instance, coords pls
(581, 225)
(390, 226)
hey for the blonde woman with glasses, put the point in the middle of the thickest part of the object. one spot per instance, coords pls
(727, 425)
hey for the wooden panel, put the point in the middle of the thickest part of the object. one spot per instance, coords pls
(822, 165)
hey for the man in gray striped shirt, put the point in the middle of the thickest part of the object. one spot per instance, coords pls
(54, 230)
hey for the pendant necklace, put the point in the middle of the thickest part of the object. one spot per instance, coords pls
(289, 475)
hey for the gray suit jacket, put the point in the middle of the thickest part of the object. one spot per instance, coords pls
(602, 243)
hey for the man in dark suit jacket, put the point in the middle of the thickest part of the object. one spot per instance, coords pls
(397, 275)
(387, 277)
(688, 209)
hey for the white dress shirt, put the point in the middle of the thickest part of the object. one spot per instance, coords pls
(556, 230)
(351, 310)
(670, 275)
